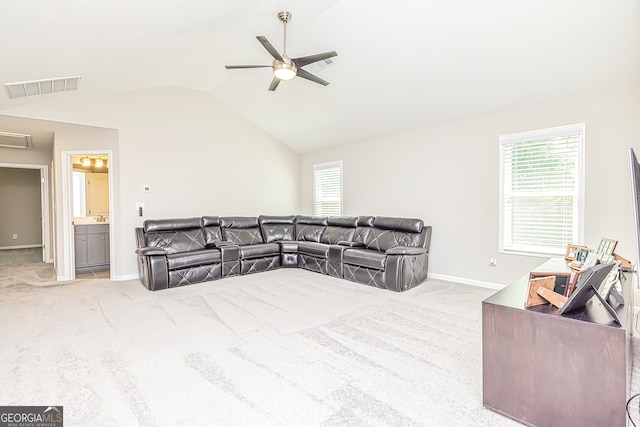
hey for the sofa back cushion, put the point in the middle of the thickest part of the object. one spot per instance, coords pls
(389, 232)
(241, 230)
(310, 228)
(211, 229)
(277, 228)
(363, 228)
(174, 235)
(338, 229)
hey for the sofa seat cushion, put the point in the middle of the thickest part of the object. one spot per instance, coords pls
(313, 249)
(260, 250)
(365, 258)
(193, 258)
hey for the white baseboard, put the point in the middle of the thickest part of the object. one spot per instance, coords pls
(124, 277)
(20, 247)
(465, 281)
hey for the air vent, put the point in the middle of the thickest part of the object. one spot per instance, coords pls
(42, 87)
(318, 66)
(15, 140)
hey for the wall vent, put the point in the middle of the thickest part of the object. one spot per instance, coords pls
(318, 66)
(42, 87)
(15, 140)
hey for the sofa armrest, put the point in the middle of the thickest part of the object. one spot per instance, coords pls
(405, 268)
(230, 252)
(351, 244)
(405, 250)
(151, 250)
(152, 267)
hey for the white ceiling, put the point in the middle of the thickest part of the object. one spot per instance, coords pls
(401, 65)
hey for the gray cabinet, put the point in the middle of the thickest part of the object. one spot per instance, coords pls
(91, 245)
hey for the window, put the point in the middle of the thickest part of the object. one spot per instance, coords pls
(327, 189)
(541, 194)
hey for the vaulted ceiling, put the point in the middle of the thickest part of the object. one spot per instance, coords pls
(401, 65)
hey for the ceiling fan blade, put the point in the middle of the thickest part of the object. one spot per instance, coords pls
(307, 75)
(234, 67)
(306, 60)
(272, 50)
(274, 84)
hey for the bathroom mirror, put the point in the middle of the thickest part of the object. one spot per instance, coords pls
(90, 188)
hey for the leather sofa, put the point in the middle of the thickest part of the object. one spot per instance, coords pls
(386, 252)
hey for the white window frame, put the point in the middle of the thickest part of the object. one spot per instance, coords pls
(323, 167)
(506, 246)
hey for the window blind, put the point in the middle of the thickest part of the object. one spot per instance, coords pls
(327, 189)
(541, 203)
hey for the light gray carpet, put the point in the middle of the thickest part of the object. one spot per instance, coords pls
(282, 348)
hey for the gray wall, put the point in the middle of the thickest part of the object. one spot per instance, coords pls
(198, 157)
(448, 175)
(20, 207)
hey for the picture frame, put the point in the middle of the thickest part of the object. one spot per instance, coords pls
(581, 254)
(610, 281)
(533, 297)
(606, 259)
(607, 246)
(563, 281)
(570, 254)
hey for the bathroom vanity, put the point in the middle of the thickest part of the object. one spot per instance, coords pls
(91, 244)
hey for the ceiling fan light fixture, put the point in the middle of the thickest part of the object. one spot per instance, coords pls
(284, 67)
(284, 71)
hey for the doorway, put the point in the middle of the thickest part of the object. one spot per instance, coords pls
(32, 178)
(87, 194)
(90, 184)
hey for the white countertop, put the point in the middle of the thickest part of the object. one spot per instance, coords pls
(85, 220)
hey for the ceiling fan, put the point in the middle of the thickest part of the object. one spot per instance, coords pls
(285, 68)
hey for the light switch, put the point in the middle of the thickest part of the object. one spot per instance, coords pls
(140, 208)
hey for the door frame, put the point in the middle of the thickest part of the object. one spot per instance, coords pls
(68, 241)
(47, 255)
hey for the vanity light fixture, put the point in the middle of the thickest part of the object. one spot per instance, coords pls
(85, 161)
(99, 163)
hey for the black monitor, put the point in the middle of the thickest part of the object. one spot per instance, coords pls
(587, 286)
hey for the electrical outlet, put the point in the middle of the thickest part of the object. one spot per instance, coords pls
(15, 236)
(493, 262)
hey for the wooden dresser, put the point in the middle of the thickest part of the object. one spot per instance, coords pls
(544, 369)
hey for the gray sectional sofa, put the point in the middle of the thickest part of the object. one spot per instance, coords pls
(385, 252)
